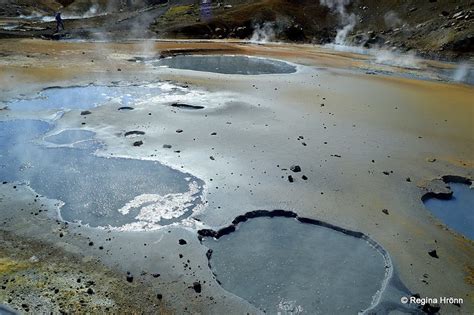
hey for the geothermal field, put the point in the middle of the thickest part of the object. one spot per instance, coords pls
(236, 157)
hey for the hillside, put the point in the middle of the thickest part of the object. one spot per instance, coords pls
(431, 27)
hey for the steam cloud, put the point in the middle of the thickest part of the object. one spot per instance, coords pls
(263, 33)
(349, 20)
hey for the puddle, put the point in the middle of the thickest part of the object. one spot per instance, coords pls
(227, 64)
(124, 193)
(84, 97)
(284, 266)
(456, 212)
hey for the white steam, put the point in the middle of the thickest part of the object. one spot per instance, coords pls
(263, 33)
(390, 58)
(462, 73)
(348, 20)
(392, 19)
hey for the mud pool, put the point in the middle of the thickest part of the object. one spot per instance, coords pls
(227, 64)
(281, 265)
(97, 191)
(456, 212)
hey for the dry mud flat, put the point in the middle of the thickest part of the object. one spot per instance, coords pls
(325, 141)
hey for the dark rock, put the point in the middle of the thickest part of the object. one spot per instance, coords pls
(291, 179)
(197, 287)
(134, 133)
(125, 108)
(155, 275)
(90, 291)
(85, 112)
(295, 168)
(179, 131)
(138, 143)
(304, 177)
(129, 277)
(430, 309)
(433, 254)
(167, 146)
(182, 242)
(207, 233)
(225, 231)
(159, 296)
(186, 106)
(385, 211)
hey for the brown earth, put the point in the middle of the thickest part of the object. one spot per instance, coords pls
(431, 28)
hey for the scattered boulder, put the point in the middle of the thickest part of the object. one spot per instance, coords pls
(134, 133)
(86, 112)
(129, 277)
(295, 168)
(182, 242)
(433, 253)
(197, 287)
(138, 143)
(186, 106)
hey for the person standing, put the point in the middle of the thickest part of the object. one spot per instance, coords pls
(59, 22)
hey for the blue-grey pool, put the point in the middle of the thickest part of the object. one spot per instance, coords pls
(98, 191)
(458, 212)
(227, 64)
(283, 266)
(82, 97)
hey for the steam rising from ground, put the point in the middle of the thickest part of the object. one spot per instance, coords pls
(392, 19)
(348, 20)
(263, 33)
(462, 73)
(387, 57)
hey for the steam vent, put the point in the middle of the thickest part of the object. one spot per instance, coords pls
(236, 157)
